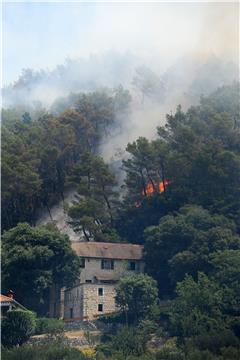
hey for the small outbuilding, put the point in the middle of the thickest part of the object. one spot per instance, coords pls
(9, 303)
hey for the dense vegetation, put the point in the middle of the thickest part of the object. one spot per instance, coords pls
(40, 150)
(181, 200)
(33, 259)
(55, 351)
(17, 327)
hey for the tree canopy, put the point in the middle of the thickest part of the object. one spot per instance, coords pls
(33, 259)
(40, 149)
(136, 294)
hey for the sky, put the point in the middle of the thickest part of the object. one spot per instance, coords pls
(43, 34)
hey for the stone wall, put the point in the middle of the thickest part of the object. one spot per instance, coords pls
(93, 267)
(73, 303)
(92, 300)
(84, 302)
(81, 301)
(56, 302)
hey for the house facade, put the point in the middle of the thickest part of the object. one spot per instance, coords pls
(102, 266)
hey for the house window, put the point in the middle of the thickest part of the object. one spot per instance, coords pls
(88, 281)
(82, 263)
(107, 264)
(100, 291)
(71, 313)
(100, 307)
(132, 265)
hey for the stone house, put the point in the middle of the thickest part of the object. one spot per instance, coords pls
(102, 265)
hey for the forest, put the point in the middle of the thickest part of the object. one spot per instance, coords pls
(180, 199)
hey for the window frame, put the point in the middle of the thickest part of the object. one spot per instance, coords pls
(100, 306)
(107, 267)
(130, 267)
(82, 263)
(102, 291)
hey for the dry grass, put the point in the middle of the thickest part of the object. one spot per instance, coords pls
(79, 333)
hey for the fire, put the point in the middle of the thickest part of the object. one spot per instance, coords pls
(160, 187)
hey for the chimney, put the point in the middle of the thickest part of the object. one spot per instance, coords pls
(10, 294)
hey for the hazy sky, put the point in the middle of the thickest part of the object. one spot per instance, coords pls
(43, 34)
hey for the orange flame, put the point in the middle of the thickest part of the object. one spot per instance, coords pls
(150, 189)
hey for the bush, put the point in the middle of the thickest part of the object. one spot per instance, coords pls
(104, 350)
(53, 351)
(147, 326)
(113, 318)
(170, 351)
(230, 353)
(215, 341)
(17, 327)
(49, 326)
(129, 341)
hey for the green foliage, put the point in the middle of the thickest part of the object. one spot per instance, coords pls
(17, 327)
(39, 149)
(225, 270)
(35, 258)
(135, 295)
(49, 326)
(53, 351)
(198, 152)
(147, 326)
(196, 309)
(198, 316)
(170, 351)
(94, 211)
(213, 341)
(113, 318)
(181, 200)
(128, 342)
(186, 242)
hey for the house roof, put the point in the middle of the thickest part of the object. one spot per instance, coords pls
(104, 250)
(6, 299)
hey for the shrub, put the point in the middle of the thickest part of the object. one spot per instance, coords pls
(170, 351)
(129, 341)
(49, 326)
(17, 327)
(113, 318)
(104, 350)
(214, 341)
(147, 326)
(230, 353)
(53, 351)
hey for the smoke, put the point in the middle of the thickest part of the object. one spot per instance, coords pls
(191, 48)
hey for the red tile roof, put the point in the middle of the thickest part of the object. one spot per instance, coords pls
(4, 298)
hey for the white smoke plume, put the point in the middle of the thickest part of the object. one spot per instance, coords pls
(191, 47)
